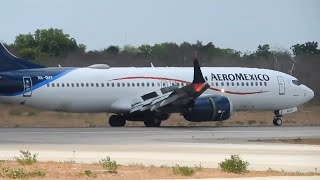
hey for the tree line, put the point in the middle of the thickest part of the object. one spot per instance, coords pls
(46, 43)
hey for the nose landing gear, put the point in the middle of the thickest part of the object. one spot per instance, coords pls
(277, 121)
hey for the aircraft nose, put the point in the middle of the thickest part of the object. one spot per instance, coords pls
(309, 94)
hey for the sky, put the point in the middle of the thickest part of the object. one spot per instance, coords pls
(236, 24)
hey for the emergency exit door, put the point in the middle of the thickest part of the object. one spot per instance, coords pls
(282, 87)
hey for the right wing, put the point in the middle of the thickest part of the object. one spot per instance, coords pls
(174, 96)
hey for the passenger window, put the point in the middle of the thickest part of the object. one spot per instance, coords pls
(227, 83)
(158, 84)
(48, 85)
(238, 84)
(142, 84)
(265, 83)
(128, 84)
(222, 84)
(87, 84)
(112, 84)
(148, 84)
(58, 84)
(247, 84)
(260, 83)
(242, 83)
(82, 84)
(217, 84)
(257, 84)
(118, 84)
(123, 84)
(52, 85)
(251, 83)
(232, 84)
(132, 84)
(138, 84)
(152, 84)
(72, 85)
(77, 84)
(97, 84)
(67, 84)
(102, 84)
(107, 84)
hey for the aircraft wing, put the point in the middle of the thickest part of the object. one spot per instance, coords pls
(173, 96)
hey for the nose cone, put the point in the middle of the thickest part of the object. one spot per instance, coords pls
(309, 94)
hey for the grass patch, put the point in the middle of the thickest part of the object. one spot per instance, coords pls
(89, 173)
(32, 114)
(234, 165)
(109, 165)
(20, 173)
(250, 122)
(14, 173)
(15, 113)
(183, 170)
(26, 158)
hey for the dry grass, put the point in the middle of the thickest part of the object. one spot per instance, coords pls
(55, 170)
(21, 116)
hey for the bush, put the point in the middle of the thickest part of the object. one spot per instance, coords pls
(26, 158)
(90, 173)
(38, 173)
(183, 170)
(14, 174)
(235, 165)
(109, 165)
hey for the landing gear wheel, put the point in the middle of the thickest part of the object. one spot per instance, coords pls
(117, 121)
(277, 121)
(152, 122)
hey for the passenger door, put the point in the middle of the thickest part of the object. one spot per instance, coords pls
(27, 86)
(281, 83)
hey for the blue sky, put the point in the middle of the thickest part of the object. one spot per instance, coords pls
(237, 24)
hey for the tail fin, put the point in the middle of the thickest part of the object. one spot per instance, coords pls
(197, 76)
(9, 62)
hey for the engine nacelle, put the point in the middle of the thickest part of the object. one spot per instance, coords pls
(209, 108)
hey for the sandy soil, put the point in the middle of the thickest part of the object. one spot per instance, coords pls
(21, 116)
(68, 170)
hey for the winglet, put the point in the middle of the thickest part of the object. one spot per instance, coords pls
(197, 76)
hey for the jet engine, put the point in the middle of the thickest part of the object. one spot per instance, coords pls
(209, 108)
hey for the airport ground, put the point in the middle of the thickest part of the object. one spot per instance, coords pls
(150, 153)
(21, 116)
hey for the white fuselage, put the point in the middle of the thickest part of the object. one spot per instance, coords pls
(116, 89)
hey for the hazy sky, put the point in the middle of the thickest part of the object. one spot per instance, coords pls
(238, 24)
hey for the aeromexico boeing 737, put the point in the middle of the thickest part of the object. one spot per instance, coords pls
(150, 94)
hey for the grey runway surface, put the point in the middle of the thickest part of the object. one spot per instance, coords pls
(102, 136)
(167, 145)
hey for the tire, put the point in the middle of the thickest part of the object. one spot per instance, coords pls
(277, 121)
(152, 122)
(116, 121)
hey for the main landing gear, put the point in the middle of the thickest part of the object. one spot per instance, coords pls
(117, 121)
(277, 121)
(152, 122)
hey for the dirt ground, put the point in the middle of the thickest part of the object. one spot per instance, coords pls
(68, 170)
(290, 141)
(21, 116)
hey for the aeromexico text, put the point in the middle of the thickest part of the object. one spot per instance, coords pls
(239, 77)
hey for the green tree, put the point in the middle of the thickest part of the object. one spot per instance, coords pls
(51, 42)
(114, 50)
(308, 48)
(263, 51)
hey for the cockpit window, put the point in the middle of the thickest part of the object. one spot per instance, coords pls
(296, 82)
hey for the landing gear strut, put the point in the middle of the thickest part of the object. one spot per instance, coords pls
(117, 121)
(277, 121)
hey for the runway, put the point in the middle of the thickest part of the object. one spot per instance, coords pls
(167, 146)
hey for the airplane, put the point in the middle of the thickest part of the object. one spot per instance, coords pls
(150, 94)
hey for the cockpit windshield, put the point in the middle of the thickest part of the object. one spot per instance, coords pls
(296, 82)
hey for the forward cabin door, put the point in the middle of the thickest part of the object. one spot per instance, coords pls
(282, 87)
(27, 86)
